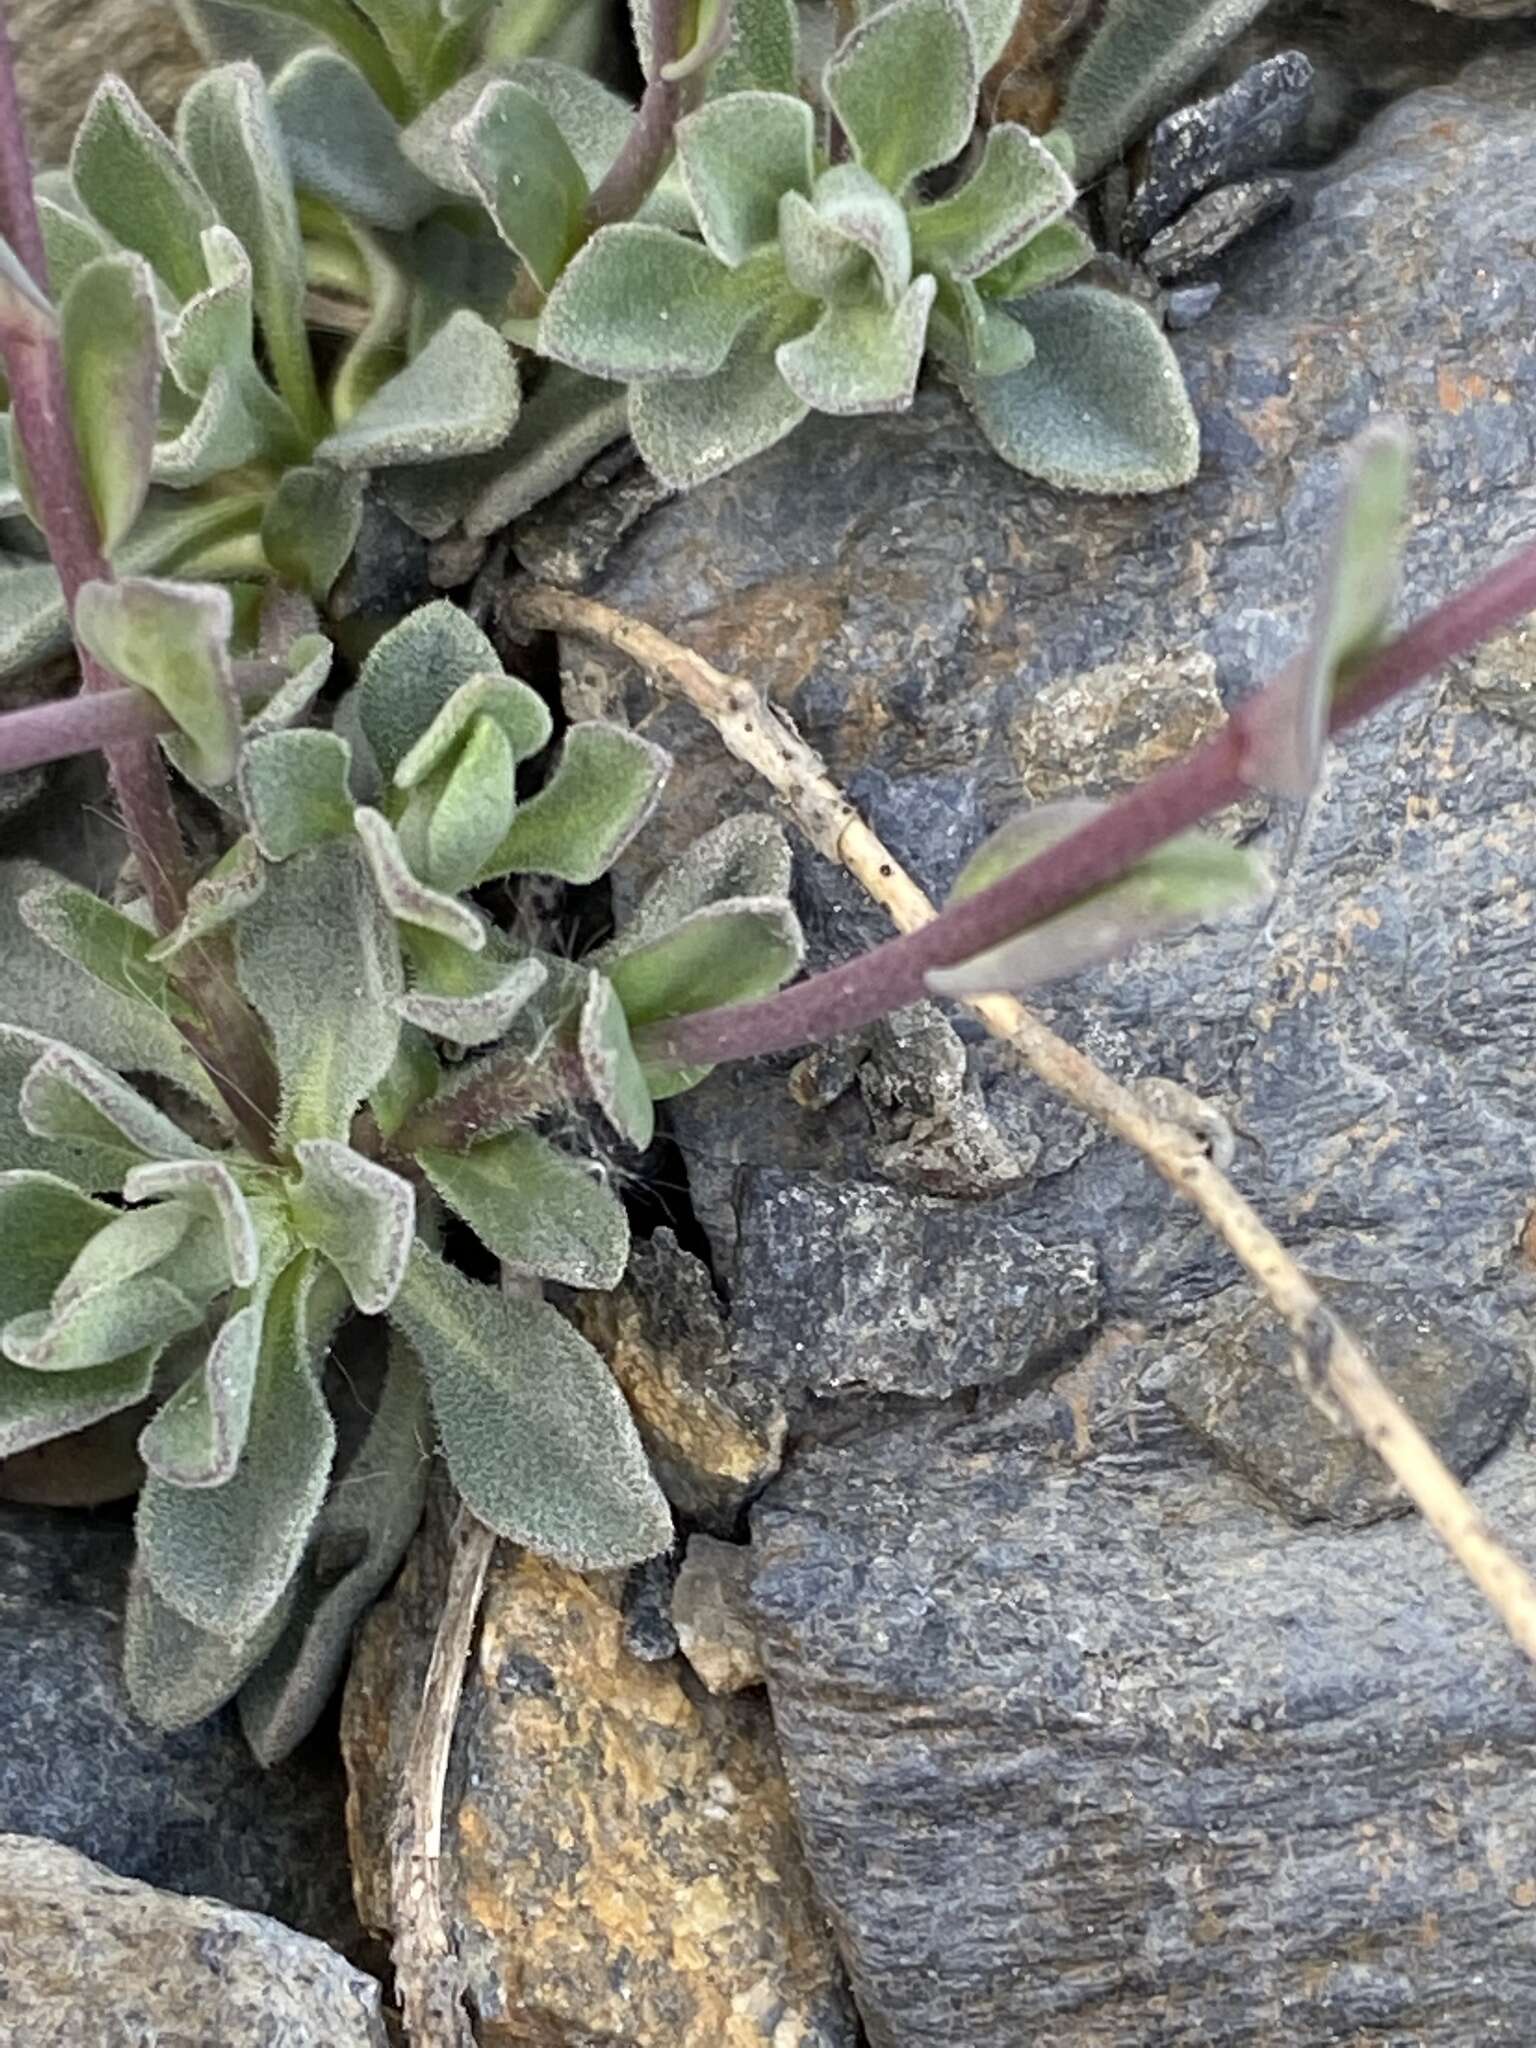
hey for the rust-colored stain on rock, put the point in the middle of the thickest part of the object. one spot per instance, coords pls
(620, 1861)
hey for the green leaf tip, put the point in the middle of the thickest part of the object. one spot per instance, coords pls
(1286, 727)
(904, 87)
(1182, 883)
(535, 1433)
(1102, 405)
(171, 639)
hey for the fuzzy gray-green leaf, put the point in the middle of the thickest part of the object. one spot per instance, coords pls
(45, 1224)
(40, 1407)
(477, 1013)
(319, 961)
(525, 172)
(726, 952)
(904, 85)
(541, 1213)
(593, 120)
(359, 1539)
(411, 674)
(196, 1437)
(208, 1185)
(738, 157)
(67, 1095)
(404, 895)
(976, 337)
(518, 711)
(1143, 52)
(473, 810)
(43, 991)
(536, 1435)
(458, 397)
(310, 526)
(293, 786)
(113, 948)
(640, 302)
(229, 135)
(747, 855)
(176, 1674)
(343, 145)
(603, 789)
(171, 639)
(84, 1165)
(859, 359)
(1051, 257)
(608, 1061)
(112, 366)
(569, 419)
(1018, 188)
(133, 182)
(1102, 407)
(222, 1556)
(216, 899)
(691, 429)
(358, 1215)
(1287, 724)
(97, 1327)
(762, 53)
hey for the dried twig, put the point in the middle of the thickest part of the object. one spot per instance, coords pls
(428, 1977)
(1333, 1369)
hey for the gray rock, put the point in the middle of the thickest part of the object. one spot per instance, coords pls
(712, 1611)
(933, 620)
(1228, 1374)
(646, 1604)
(930, 1128)
(1190, 303)
(1090, 1746)
(843, 1284)
(89, 1957)
(1209, 228)
(191, 1812)
(1254, 123)
(388, 573)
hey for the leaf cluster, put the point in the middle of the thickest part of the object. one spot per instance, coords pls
(155, 1263)
(400, 255)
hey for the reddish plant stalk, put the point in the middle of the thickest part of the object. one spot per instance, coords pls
(34, 369)
(62, 726)
(647, 148)
(1178, 797)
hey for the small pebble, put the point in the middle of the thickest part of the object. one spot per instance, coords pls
(1189, 303)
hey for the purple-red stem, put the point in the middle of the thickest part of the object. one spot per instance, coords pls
(34, 369)
(84, 725)
(647, 148)
(1178, 797)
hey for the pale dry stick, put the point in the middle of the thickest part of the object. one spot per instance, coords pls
(428, 1977)
(1331, 1366)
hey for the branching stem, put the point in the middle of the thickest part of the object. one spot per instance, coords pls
(1333, 1370)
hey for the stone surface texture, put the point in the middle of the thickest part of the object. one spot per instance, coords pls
(844, 1284)
(713, 1434)
(192, 1812)
(712, 1613)
(89, 1959)
(1092, 1745)
(1228, 1375)
(1257, 121)
(620, 1862)
(1091, 1748)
